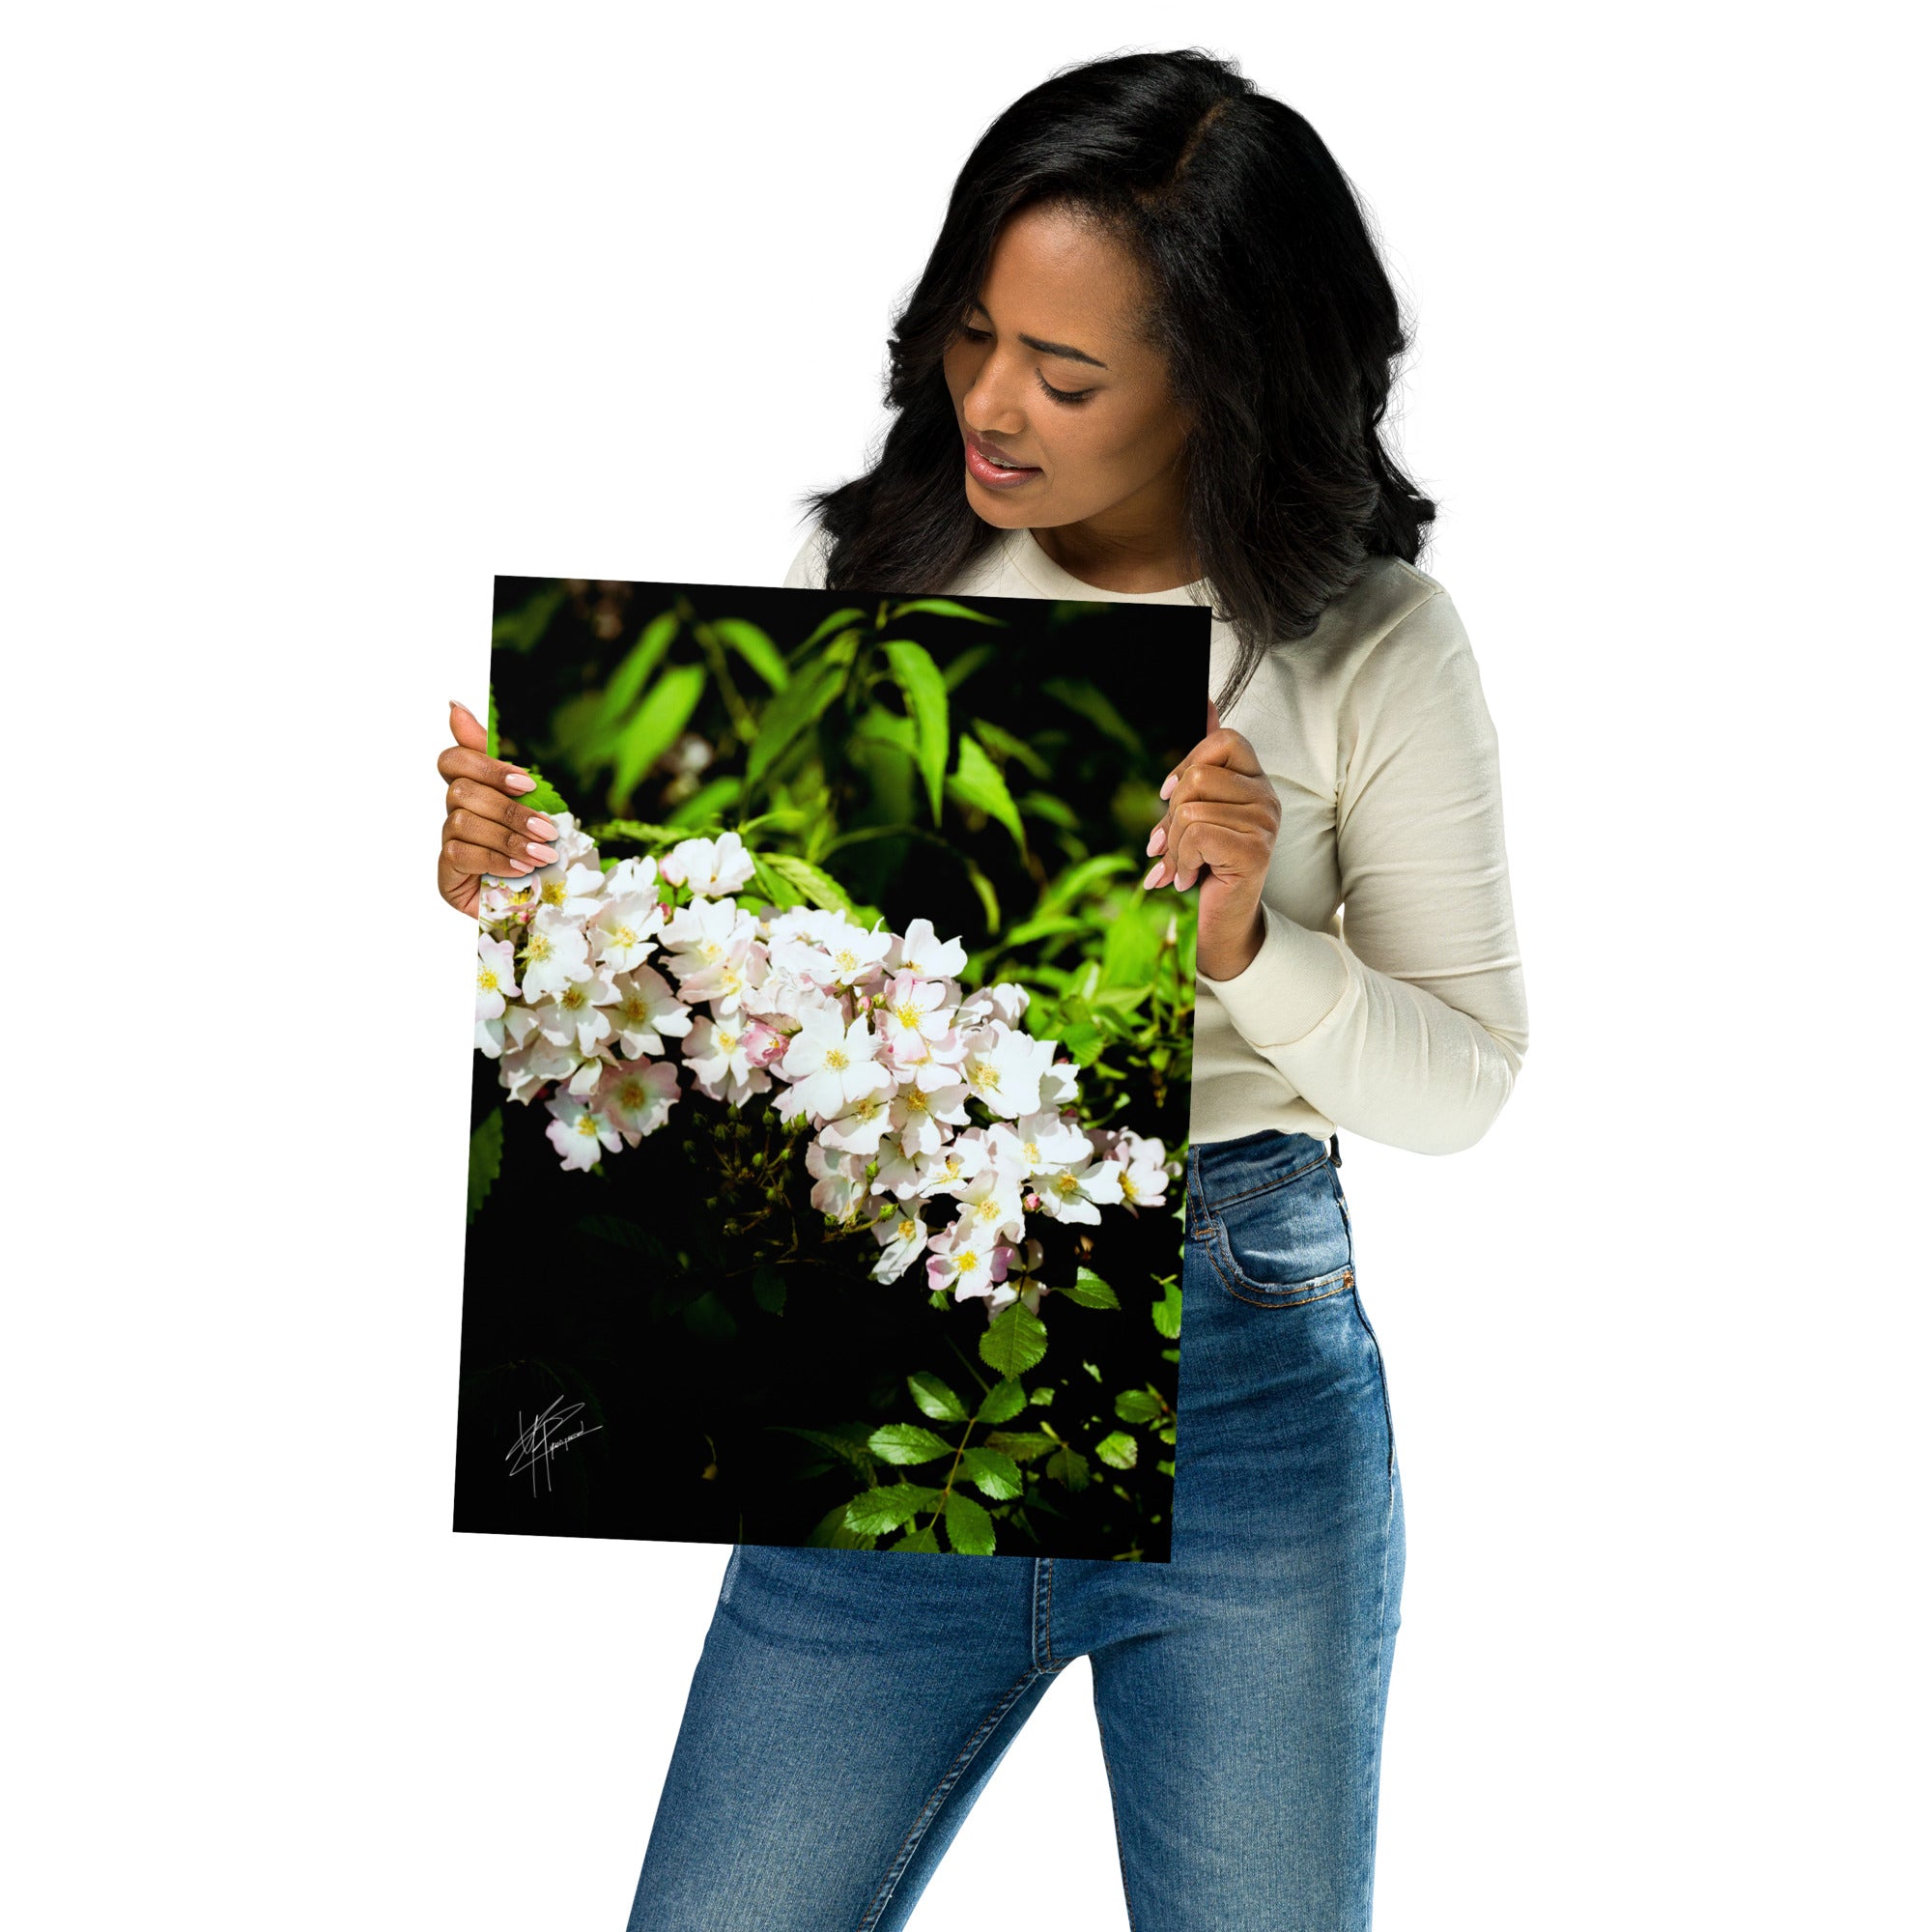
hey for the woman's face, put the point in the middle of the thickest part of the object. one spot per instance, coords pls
(1047, 372)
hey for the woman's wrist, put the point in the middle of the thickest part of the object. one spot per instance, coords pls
(1228, 960)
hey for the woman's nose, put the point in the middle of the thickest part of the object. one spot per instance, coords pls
(991, 405)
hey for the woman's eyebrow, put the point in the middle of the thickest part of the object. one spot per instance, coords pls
(1062, 349)
(1071, 354)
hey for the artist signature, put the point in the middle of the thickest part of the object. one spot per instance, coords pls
(540, 1440)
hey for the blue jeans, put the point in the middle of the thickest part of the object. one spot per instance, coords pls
(849, 1705)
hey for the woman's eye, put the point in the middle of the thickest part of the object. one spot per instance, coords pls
(975, 334)
(1064, 395)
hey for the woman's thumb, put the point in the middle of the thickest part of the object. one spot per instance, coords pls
(466, 728)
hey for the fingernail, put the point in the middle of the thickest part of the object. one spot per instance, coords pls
(542, 828)
(519, 781)
(1173, 778)
(545, 853)
(521, 867)
(461, 707)
(1154, 877)
(1159, 839)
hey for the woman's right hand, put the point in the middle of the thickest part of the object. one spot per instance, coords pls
(486, 829)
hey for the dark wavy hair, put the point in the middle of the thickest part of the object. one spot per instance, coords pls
(1269, 300)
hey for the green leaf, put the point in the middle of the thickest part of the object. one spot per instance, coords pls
(925, 704)
(802, 702)
(1090, 1291)
(997, 739)
(1055, 811)
(768, 1290)
(1022, 1447)
(707, 803)
(989, 899)
(777, 889)
(546, 797)
(936, 1398)
(709, 1318)
(486, 1158)
(924, 1539)
(970, 660)
(626, 682)
(1000, 1402)
(490, 746)
(847, 1441)
(1079, 879)
(1090, 702)
(1137, 1405)
(825, 627)
(872, 1511)
(977, 781)
(834, 1532)
(1118, 1450)
(620, 1232)
(520, 630)
(1015, 1340)
(756, 648)
(805, 879)
(943, 607)
(1167, 1311)
(906, 1442)
(1084, 1043)
(992, 1472)
(653, 728)
(1068, 1466)
(968, 1526)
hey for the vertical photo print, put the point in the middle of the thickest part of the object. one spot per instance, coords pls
(830, 1087)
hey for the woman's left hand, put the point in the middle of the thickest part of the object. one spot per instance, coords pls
(1222, 817)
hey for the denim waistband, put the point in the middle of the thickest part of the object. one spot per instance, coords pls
(1220, 1171)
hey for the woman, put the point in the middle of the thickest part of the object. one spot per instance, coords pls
(1149, 358)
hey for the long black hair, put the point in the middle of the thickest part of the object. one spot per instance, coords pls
(1269, 302)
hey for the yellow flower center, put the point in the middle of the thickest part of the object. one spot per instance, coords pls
(487, 980)
(1128, 1190)
(836, 1059)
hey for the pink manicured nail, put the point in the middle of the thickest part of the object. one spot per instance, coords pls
(542, 828)
(547, 854)
(519, 781)
(1154, 877)
(1172, 778)
(1159, 839)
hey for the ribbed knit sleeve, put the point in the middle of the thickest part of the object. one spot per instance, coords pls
(1411, 1027)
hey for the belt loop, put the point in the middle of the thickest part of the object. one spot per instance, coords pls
(1335, 1149)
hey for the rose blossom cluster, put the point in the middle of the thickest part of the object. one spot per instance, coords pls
(938, 1122)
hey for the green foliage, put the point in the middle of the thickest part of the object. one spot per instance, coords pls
(1089, 1291)
(936, 1398)
(486, 1158)
(1014, 1341)
(907, 1442)
(924, 692)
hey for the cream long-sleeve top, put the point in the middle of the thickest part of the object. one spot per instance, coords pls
(1388, 997)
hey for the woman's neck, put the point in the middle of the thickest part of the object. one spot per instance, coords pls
(1136, 561)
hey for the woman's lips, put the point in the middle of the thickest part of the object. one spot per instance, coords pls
(996, 476)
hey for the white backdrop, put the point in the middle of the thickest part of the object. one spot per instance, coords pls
(320, 316)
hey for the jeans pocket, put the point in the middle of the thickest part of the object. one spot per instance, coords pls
(1284, 1244)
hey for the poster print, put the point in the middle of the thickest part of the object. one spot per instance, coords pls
(832, 1085)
